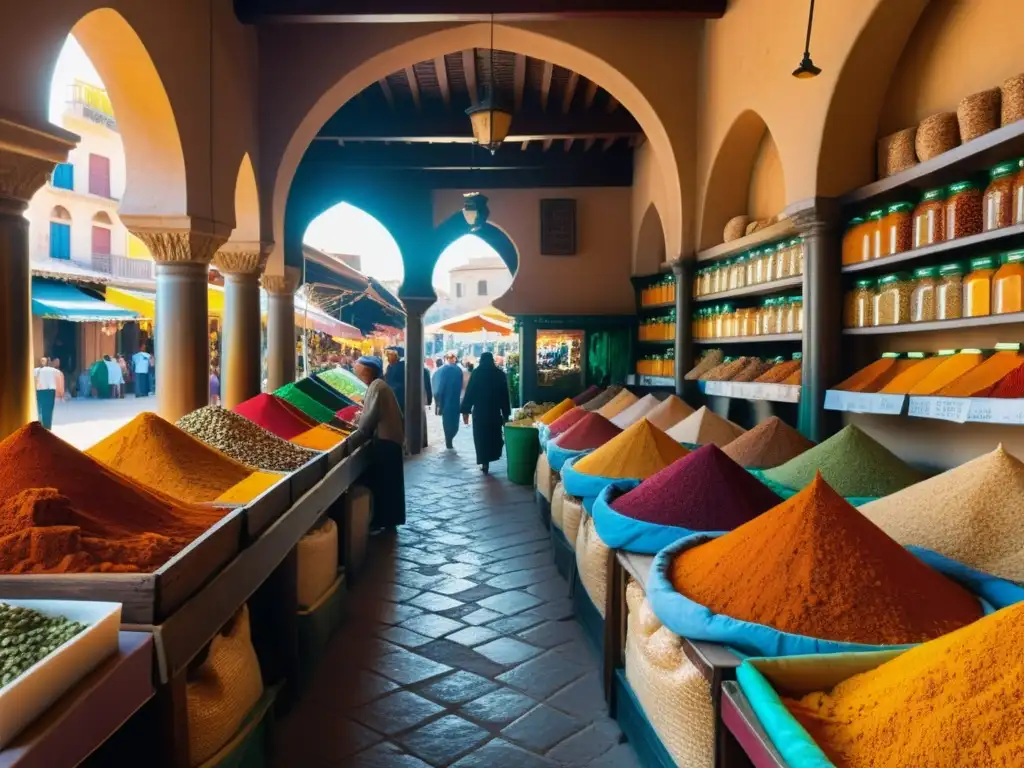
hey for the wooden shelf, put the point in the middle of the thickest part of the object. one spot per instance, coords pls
(778, 231)
(773, 337)
(1005, 239)
(657, 342)
(938, 325)
(980, 154)
(655, 307)
(761, 289)
(643, 380)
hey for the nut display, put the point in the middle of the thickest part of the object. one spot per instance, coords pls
(243, 440)
(978, 114)
(998, 200)
(26, 636)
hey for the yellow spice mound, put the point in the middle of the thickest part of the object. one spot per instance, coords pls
(949, 703)
(617, 404)
(250, 488)
(639, 452)
(563, 407)
(319, 438)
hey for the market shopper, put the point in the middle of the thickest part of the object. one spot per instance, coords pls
(48, 389)
(142, 361)
(99, 376)
(448, 395)
(487, 400)
(115, 379)
(395, 378)
(382, 425)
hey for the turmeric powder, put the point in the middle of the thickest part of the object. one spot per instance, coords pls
(250, 488)
(319, 438)
(977, 382)
(948, 371)
(562, 408)
(952, 702)
(639, 452)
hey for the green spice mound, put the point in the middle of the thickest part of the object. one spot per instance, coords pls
(305, 403)
(26, 636)
(852, 463)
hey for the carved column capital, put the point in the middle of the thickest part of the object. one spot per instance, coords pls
(285, 284)
(28, 154)
(178, 239)
(417, 306)
(242, 258)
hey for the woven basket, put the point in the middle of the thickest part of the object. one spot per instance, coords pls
(318, 562)
(572, 513)
(936, 134)
(223, 690)
(978, 114)
(896, 152)
(735, 228)
(592, 563)
(545, 477)
(675, 696)
(557, 498)
(1012, 100)
(356, 536)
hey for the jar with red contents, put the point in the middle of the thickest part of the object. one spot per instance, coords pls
(964, 210)
(929, 221)
(898, 229)
(998, 200)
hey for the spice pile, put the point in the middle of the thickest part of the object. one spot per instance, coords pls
(28, 636)
(156, 453)
(705, 426)
(638, 452)
(346, 382)
(320, 438)
(771, 443)
(317, 411)
(275, 415)
(971, 513)
(587, 394)
(321, 393)
(815, 566)
(705, 491)
(244, 441)
(602, 399)
(668, 413)
(951, 702)
(852, 463)
(590, 432)
(617, 404)
(565, 421)
(552, 414)
(708, 360)
(967, 373)
(636, 411)
(878, 374)
(783, 372)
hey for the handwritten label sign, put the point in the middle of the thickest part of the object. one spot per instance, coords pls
(956, 409)
(864, 402)
(748, 390)
(996, 410)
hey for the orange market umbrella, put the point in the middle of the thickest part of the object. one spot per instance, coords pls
(475, 322)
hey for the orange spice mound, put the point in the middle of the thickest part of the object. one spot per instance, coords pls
(319, 438)
(639, 452)
(815, 566)
(550, 416)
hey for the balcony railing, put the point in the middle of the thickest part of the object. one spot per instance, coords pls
(122, 266)
(92, 103)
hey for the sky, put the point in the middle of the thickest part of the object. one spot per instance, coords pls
(72, 64)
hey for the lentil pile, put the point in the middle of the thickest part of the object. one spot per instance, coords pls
(704, 491)
(552, 414)
(971, 513)
(28, 636)
(852, 463)
(156, 453)
(317, 411)
(705, 426)
(565, 421)
(244, 441)
(815, 566)
(602, 399)
(668, 413)
(638, 452)
(275, 415)
(618, 404)
(590, 432)
(636, 411)
(951, 702)
(771, 443)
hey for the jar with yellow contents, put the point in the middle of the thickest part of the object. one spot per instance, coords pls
(978, 287)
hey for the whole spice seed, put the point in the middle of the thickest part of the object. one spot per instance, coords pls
(779, 373)
(244, 441)
(1012, 100)
(964, 210)
(892, 302)
(591, 431)
(726, 371)
(705, 426)
(952, 702)
(638, 452)
(936, 134)
(754, 368)
(769, 444)
(28, 636)
(710, 359)
(852, 463)
(815, 566)
(978, 114)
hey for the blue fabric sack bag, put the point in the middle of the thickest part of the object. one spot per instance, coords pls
(558, 456)
(586, 487)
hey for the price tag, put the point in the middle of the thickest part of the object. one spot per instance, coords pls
(955, 409)
(716, 388)
(996, 411)
(864, 402)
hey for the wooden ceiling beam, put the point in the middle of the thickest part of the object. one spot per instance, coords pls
(469, 66)
(388, 95)
(545, 85)
(442, 81)
(589, 93)
(612, 104)
(520, 80)
(455, 127)
(568, 144)
(570, 92)
(547, 144)
(414, 88)
(588, 143)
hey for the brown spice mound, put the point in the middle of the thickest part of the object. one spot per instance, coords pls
(769, 444)
(815, 566)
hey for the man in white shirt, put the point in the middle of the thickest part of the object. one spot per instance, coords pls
(140, 365)
(114, 376)
(47, 383)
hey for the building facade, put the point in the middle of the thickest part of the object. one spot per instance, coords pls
(477, 283)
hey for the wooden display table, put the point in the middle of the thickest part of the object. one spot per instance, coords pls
(743, 724)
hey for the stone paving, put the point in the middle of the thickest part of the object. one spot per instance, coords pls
(460, 647)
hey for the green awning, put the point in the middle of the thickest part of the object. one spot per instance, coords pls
(56, 300)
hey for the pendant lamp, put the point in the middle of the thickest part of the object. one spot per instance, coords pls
(807, 70)
(490, 119)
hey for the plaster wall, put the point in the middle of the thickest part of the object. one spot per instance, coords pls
(766, 196)
(648, 193)
(491, 271)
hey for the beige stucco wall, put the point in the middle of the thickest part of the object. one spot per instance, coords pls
(594, 281)
(496, 275)
(647, 202)
(767, 193)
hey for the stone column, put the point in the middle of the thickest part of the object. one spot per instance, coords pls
(27, 157)
(683, 271)
(281, 327)
(414, 394)
(241, 265)
(182, 249)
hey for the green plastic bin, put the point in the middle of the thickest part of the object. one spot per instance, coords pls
(523, 445)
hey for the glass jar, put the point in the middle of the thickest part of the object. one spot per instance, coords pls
(783, 260)
(998, 198)
(851, 250)
(798, 313)
(705, 281)
(949, 292)
(768, 322)
(756, 257)
(1007, 284)
(788, 320)
(873, 230)
(922, 297)
(1018, 194)
(770, 256)
(898, 229)
(744, 318)
(978, 287)
(858, 304)
(963, 210)
(929, 219)
(892, 302)
(797, 249)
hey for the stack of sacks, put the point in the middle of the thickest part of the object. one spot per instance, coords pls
(705, 426)
(668, 413)
(545, 478)
(588, 434)
(770, 444)
(603, 398)
(635, 412)
(617, 404)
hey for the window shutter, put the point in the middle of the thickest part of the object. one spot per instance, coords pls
(100, 240)
(60, 240)
(481, 288)
(557, 227)
(99, 175)
(64, 176)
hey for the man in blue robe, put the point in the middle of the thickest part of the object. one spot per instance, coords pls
(448, 394)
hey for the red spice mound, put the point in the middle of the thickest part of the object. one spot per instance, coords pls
(1011, 386)
(703, 491)
(350, 413)
(770, 444)
(587, 394)
(275, 415)
(815, 566)
(566, 420)
(592, 431)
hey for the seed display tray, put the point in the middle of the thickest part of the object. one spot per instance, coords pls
(308, 475)
(745, 727)
(267, 507)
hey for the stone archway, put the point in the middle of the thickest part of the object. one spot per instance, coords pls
(455, 227)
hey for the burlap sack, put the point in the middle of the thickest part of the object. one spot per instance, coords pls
(356, 536)
(318, 562)
(544, 477)
(675, 696)
(572, 512)
(592, 562)
(222, 691)
(556, 506)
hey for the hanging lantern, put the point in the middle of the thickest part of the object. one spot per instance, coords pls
(491, 122)
(806, 69)
(475, 210)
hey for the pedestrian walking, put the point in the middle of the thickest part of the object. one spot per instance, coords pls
(141, 364)
(48, 386)
(487, 400)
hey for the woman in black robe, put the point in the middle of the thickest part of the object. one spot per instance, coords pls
(487, 399)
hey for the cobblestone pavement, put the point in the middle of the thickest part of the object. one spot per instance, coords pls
(460, 648)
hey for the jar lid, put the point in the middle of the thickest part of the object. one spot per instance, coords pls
(769, 249)
(868, 282)
(926, 272)
(876, 214)
(796, 299)
(961, 186)
(984, 262)
(855, 221)
(769, 302)
(1013, 257)
(894, 278)
(952, 269)
(934, 194)
(728, 308)
(1003, 169)
(795, 241)
(901, 207)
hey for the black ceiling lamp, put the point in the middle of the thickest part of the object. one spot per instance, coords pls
(491, 120)
(807, 70)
